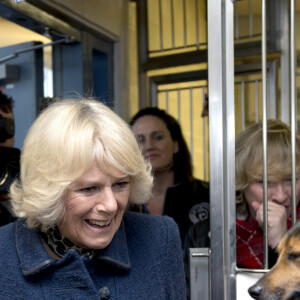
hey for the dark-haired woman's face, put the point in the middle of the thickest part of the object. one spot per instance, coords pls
(155, 141)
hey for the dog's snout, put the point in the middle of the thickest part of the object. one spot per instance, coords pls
(255, 291)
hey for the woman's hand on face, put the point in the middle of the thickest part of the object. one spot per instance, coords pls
(277, 221)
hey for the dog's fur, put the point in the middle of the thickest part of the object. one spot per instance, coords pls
(282, 282)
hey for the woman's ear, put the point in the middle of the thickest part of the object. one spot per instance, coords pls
(176, 147)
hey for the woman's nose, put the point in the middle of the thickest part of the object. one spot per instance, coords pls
(278, 192)
(106, 202)
(148, 145)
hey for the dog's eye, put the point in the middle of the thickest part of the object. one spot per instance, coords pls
(294, 256)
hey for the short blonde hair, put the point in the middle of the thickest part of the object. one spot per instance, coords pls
(249, 154)
(61, 146)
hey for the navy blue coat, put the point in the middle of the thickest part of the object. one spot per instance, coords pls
(143, 261)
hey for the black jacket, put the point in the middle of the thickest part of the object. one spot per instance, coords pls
(187, 203)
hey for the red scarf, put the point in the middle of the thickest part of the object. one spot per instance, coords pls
(249, 243)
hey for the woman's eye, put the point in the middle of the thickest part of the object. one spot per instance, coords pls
(89, 190)
(158, 137)
(261, 182)
(121, 185)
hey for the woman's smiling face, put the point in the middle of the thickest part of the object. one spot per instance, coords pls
(155, 141)
(94, 208)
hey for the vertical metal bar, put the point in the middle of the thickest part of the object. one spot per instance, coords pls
(272, 90)
(143, 47)
(264, 123)
(256, 101)
(283, 22)
(184, 23)
(199, 266)
(243, 103)
(153, 93)
(204, 135)
(197, 23)
(222, 148)
(167, 100)
(293, 105)
(179, 106)
(161, 26)
(191, 123)
(236, 13)
(250, 18)
(172, 24)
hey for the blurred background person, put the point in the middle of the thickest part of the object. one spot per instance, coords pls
(9, 157)
(176, 193)
(74, 239)
(7, 130)
(249, 191)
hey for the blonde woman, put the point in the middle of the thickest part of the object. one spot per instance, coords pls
(80, 168)
(249, 190)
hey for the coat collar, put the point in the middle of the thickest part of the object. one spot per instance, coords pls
(34, 257)
(116, 252)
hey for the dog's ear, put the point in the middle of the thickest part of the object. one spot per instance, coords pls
(290, 239)
(281, 246)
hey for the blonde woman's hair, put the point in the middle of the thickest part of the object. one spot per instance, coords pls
(249, 156)
(62, 144)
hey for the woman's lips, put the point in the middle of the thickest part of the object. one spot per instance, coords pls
(98, 223)
(151, 156)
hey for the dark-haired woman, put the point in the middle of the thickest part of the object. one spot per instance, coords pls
(176, 192)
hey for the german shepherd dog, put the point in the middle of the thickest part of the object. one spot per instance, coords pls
(282, 282)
